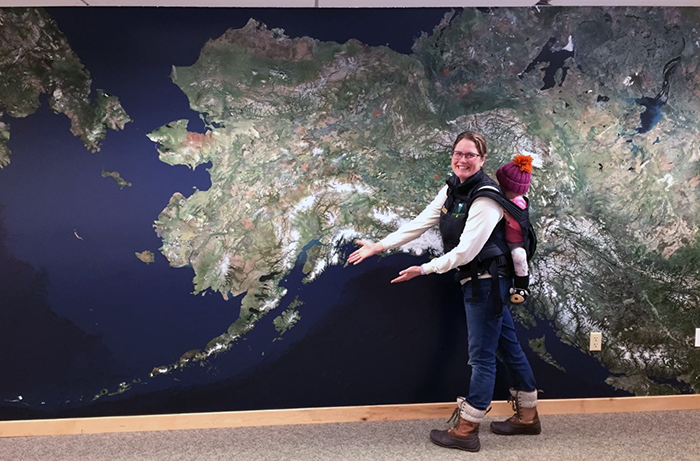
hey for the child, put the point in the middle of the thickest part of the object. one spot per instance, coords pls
(514, 178)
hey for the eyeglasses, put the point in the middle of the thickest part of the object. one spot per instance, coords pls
(467, 155)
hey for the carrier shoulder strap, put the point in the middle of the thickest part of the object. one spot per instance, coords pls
(491, 257)
(520, 215)
(493, 193)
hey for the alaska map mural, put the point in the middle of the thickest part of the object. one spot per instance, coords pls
(195, 259)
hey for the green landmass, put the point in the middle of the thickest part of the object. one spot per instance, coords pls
(146, 256)
(539, 347)
(4, 138)
(121, 388)
(36, 59)
(642, 383)
(117, 178)
(288, 318)
(322, 142)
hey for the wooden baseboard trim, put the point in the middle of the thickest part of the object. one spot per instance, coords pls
(112, 424)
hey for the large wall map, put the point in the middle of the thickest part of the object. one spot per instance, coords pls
(300, 146)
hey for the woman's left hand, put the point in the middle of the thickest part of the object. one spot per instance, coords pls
(407, 274)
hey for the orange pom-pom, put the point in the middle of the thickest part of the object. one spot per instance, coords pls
(524, 162)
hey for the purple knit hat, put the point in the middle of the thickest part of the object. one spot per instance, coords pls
(515, 176)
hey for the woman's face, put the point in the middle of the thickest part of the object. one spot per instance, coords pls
(462, 166)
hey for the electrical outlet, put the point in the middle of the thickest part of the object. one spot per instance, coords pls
(596, 342)
(697, 337)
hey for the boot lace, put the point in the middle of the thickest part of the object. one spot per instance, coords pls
(454, 419)
(457, 413)
(515, 404)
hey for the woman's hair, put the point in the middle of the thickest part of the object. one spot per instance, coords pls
(476, 138)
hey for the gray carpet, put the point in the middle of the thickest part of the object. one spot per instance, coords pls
(616, 437)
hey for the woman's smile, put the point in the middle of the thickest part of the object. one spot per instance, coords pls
(466, 160)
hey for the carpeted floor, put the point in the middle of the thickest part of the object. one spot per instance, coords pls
(660, 436)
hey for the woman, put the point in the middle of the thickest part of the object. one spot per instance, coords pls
(472, 229)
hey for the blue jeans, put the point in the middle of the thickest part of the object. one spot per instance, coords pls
(489, 340)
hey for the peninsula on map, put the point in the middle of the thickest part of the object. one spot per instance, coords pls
(53, 69)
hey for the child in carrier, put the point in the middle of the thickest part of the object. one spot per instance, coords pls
(514, 178)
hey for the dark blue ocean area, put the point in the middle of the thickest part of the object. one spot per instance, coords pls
(360, 341)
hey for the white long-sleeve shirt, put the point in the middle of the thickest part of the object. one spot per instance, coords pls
(484, 214)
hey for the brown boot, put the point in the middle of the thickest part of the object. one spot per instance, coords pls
(464, 434)
(525, 420)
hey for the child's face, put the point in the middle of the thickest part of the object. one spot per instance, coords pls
(509, 193)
